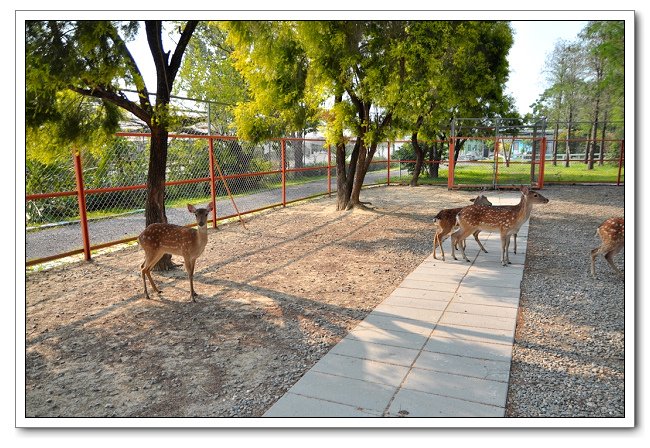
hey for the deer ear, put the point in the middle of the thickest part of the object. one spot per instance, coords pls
(524, 190)
(191, 208)
(209, 207)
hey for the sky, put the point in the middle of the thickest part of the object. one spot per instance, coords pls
(533, 42)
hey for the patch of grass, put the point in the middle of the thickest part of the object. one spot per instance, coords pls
(517, 173)
(578, 172)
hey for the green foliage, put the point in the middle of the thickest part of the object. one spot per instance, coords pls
(584, 71)
(274, 65)
(208, 74)
(64, 55)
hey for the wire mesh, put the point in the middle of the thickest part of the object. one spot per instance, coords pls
(115, 178)
(52, 174)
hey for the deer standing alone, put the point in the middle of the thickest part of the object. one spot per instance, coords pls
(612, 236)
(445, 221)
(159, 239)
(507, 219)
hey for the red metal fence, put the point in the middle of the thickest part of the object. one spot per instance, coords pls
(100, 197)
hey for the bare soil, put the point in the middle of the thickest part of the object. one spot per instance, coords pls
(273, 299)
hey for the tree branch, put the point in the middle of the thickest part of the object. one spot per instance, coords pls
(154, 34)
(140, 86)
(177, 57)
(115, 98)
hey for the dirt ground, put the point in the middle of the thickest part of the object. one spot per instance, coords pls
(273, 299)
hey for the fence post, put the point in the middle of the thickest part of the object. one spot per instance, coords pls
(450, 168)
(388, 174)
(329, 170)
(213, 192)
(283, 146)
(81, 199)
(620, 163)
(496, 163)
(542, 163)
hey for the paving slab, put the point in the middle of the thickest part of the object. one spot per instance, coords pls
(413, 403)
(361, 369)
(487, 369)
(469, 348)
(439, 345)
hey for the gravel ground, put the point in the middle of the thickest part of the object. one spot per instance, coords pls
(568, 357)
(275, 298)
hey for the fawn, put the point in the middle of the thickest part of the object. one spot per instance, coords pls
(445, 221)
(612, 236)
(160, 239)
(507, 219)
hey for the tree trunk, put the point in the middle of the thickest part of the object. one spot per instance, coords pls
(593, 136)
(435, 157)
(567, 153)
(419, 153)
(155, 206)
(359, 176)
(341, 184)
(555, 135)
(298, 151)
(587, 144)
(459, 146)
(419, 159)
(601, 156)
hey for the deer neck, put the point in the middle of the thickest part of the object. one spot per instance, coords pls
(524, 209)
(203, 233)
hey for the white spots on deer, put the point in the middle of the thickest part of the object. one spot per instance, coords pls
(507, 219)
(158, 239)
(445, 222)
(612, 236)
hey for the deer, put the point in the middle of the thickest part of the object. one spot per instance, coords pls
(445, 221)
(159, 239)
(612, 236)
(507, 219)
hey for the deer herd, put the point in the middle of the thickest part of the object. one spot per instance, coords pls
(159, 239)
(507, 219)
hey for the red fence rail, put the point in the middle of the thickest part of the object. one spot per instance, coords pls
(283, 170)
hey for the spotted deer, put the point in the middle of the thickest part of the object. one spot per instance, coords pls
(612, 236)
(507, 219)
(445, 221)
(160, 239)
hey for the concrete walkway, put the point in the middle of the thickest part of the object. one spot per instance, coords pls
(440, 345)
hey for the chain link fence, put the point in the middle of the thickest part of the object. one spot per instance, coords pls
(258, 176)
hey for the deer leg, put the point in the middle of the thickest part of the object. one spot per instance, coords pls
(506, 251)
(440, 240)
(504, 240)
(458, 237)
(594, 254)
(435, 243)
(189, 267)
(144, 281)
(453, 245)
(515, 237)
(478, 241)
(145, 270)
(442, 251)
(609, 257)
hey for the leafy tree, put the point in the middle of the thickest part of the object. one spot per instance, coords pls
(91, 58)
(208, 74)
(565, 74)
(453, 69)
(361, 66)
(586, 84)
(604, 42)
